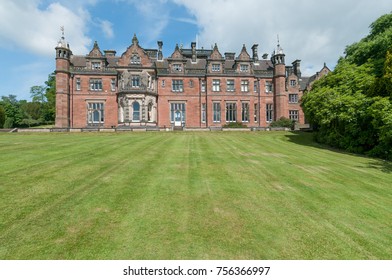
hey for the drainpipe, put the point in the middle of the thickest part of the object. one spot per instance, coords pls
(258, 104)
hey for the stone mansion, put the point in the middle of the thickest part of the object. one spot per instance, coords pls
(193, 88)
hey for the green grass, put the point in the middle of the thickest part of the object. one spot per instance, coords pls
(222, 195)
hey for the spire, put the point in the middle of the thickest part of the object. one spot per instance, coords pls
(135, 41)
(278, 54)
(62, 43)
(279, 49)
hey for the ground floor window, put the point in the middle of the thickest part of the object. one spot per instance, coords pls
(203, 113)
(231, 112)
(245, 112)
(95, 113)
(136, 111)
(269, 109)
(216, 107)
(177, 112)
(256, 112)
(293, 115)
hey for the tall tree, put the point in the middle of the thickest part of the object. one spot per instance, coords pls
(2, 116)
(351, 107)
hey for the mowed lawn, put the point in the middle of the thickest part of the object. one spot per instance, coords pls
(193, 195)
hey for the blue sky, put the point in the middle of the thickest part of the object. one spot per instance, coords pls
(313, 31)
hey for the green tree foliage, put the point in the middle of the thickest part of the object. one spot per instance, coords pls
(41, 110)
(2, 116)
(13, 112)
(351, 108)
(49, 112)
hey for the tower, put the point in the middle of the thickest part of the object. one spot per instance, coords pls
(280, 95)
(63, 55)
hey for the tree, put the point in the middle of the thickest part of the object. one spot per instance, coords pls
(49, 112)
(2, 116)
(37, 93)
(13, 112)
(351, 107)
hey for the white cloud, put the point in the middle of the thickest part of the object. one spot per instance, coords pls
(24, 25)
(107, 28)
(314, 31)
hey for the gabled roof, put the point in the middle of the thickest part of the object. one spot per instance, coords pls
(95, 52)
(244, 56)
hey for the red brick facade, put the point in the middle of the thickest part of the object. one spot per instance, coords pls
(193, 88)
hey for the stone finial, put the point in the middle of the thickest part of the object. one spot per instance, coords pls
(135, 41)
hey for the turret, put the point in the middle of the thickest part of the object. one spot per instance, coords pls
(280, 95)
(63, 55)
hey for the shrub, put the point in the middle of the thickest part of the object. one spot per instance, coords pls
(283, 122)
(234, 125)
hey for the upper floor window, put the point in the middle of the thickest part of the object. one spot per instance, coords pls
(293, 98)
(135, 81)
(244, 68)
(191, 83)
(113, 84)
(95, 65)
(178, 85)
(96, 84)
(135, 59)
(293, 83)
(177, 67)
(268, 86)
(230, 85)
(255, 86)
(203, 86)
(244, 85)
(78, 84)
(215, 85)
(215, 67)
(163, 83)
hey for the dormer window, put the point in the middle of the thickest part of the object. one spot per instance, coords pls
(293, 83)
(135, 59)
(177, 67)
(95, 65)
(215, 67)
(244, 68)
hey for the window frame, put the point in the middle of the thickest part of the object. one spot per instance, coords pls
(92, 109)
(293, 98)
(230, 87)
(95, 84)
(244, 85)
(231, 111)
(245, 112)
(217, 112)
(269, 112)
(294, 115)
(215, 67)
(177, 85)
(216, 85)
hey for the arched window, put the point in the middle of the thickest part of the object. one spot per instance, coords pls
(136, 111)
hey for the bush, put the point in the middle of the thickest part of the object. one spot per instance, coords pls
(283, 122)
(234, 125)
